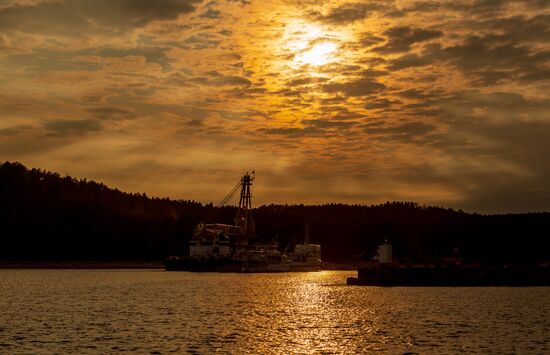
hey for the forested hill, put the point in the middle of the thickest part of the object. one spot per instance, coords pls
(45, 216)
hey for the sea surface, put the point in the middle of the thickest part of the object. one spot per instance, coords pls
(158, 312)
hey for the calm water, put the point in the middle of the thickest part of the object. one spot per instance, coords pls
(146, 311)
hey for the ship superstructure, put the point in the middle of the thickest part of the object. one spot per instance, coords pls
(235, 248)
(225, 241)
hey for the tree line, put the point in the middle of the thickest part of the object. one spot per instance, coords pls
(48, 217)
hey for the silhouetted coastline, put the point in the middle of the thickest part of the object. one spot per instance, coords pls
(81, 265)
(48, 217)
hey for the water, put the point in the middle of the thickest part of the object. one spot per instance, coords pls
(157, 312)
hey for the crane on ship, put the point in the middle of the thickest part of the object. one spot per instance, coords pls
(243, 217)
(219, 246)
(212, 238)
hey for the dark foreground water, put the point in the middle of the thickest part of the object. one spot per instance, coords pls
(142, 311)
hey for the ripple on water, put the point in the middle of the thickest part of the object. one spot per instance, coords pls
(109, 311)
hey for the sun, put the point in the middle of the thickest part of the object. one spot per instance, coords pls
(308, 44)
(318, 54)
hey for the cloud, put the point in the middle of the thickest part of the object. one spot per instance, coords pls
(491, 77)
(478, 8)
(292, 132)
(510, 103)
(359, 87)
(484, 6)
(476, 53)
(487, 59)
(307, 81)
(536, 75)
(200, 40)
(231, 80)
(43, 60)
(72, 127)
(13, 131)
(510, 169)
(461, 107)
(400, 39)
(214, 78)
(76, 17)
(347, 13)
(152, 54)
(211, 14)
(340, 68)
(340, 113)
(243, 2)
(420, 94)
(437, 101)
(328, 124)
(369, 39)
(407, 132)
(380, 104)
(411, 60)
(112, 113)
(518, 29)
(248, 92)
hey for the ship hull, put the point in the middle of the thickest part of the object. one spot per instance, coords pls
(239, 266)
(206, 265)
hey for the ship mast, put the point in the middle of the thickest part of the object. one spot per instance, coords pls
(245, 203)
(243, 218)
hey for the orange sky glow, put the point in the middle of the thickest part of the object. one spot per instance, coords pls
(438, 102)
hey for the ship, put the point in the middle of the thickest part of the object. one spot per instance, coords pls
(235, 248)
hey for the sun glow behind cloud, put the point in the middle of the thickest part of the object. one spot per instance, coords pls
(381, 95)
(318, 54)
(306, 43)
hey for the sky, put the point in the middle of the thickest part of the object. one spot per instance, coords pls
(443, 103)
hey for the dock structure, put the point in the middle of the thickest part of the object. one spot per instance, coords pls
(389, 273)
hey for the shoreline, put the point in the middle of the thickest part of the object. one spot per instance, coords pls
(129, 265)
(81, 265)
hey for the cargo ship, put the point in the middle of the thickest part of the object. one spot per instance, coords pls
(235, 248)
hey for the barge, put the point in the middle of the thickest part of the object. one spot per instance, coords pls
(388, 273)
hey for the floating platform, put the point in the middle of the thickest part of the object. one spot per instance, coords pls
(449, 276)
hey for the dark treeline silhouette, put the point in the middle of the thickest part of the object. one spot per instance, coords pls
(48, 217)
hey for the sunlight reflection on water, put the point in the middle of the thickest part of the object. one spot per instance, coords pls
(106, 311)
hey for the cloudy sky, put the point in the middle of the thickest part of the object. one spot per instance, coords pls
(439, 102)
